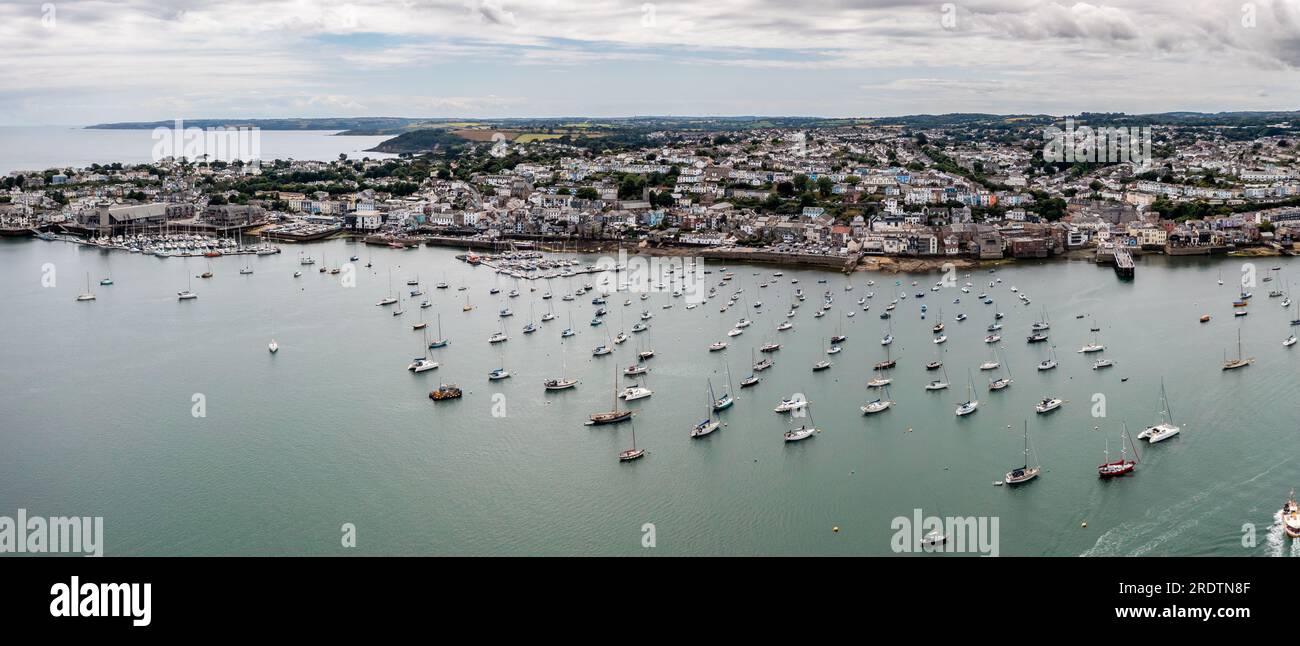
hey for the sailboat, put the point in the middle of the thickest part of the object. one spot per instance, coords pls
(726, 400)
(1050, 362)
(1166, 428)
(1123, 465)
(1000, 382)
(1240, 361)
(880, 404)
(939, 384)
(498, 374)
(804, 432)
(423, 362)
(389, 299)
(632, 453)
(187, 294)
(708, 424)
(421, 324)
(1024, 473)
(561, 383)
(967, 407)
(614, 415)
(86, 295)
(441, 341)
(753, 378)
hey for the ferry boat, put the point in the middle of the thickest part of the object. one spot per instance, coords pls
(1291, 516)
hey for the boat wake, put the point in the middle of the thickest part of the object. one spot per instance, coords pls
(1142, 538)
(1276, 543)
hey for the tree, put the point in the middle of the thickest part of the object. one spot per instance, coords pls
(785, 189)
(801, 182)
(825, 186)
(587, 193)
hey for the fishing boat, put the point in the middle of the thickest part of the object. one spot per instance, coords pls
(1165, 428)
(1291, 516)
(445, 391)
(86, 295)
(1122, 466)
(1048, 404)
(1240, 361)
(1023, 473)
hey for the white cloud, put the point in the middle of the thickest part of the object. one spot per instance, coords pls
(111, 57)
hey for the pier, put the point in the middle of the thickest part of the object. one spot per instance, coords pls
(1123, 264)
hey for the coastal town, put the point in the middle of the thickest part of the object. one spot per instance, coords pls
(879, 196)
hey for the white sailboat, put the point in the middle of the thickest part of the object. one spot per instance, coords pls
(1165, 428)
(1024, 473)
(708, 424)
(86, 295)
(967, 407)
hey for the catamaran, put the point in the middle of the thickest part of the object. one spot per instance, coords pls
(1165, 428)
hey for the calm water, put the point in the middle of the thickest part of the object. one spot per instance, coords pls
(39, 148)
(96, 414)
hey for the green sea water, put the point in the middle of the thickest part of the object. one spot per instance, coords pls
(97, 412)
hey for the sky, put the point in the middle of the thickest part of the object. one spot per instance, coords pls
(78, 62)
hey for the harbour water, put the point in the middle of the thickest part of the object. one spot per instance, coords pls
(97, 416)
(41, 147)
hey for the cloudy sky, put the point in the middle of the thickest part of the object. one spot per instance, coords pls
(79, 62)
